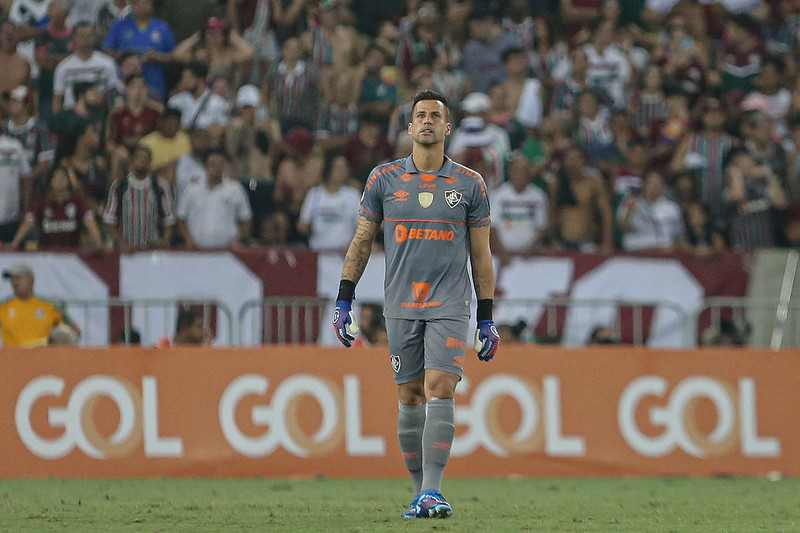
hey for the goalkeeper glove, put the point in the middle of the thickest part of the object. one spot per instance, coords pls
(344, 323)
(486, 340)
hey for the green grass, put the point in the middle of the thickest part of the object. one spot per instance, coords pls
(607, 505)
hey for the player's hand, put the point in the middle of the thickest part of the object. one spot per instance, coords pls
(344, 323)
(486, 340)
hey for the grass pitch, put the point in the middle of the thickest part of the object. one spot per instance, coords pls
(602, 505)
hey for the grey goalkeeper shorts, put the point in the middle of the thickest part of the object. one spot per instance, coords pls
(417, 345)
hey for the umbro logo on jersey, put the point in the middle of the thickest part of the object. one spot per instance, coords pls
(401, 196)
(453, 197)
(425, 199)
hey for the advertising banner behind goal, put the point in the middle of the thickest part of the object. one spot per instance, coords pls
(299, 412)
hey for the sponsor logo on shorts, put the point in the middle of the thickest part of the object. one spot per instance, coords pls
(459, 361)
(455, 343)
(425, 199)
(395, 363)
(442, 446)
(453, 197)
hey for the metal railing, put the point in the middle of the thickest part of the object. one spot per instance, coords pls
(299, 320)
(755, 319)
(121, 318)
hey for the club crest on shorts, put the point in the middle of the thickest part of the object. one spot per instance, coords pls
(425, 199)
(453, 197)
(396, 363)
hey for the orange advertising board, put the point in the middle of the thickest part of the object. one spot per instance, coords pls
(306, 411)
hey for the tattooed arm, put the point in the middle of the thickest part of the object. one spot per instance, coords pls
(355, 260)
(480, 256)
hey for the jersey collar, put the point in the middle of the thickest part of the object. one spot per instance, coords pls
(446, 171)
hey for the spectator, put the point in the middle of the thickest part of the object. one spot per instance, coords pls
(594, 134)
(377, 84)
(572, 76)
(83, 10)
(51, 47)
(702, 238)
(150, 37)
(338, 120)
(603, 335)
(547, 52)
(479, 105)
(678, 60)
(476, 142)
(215, 214)
(648, 220)
(85, 65)
(200, 108)
(708, 147)
(757, 135)
(190, 329)
(291, 89)
(483, 53)
(368, 147)
(191, 167)
(87, 168)
(27, 320)
(648, 107)
(15, 68)
(30, 18)
(519, 212)
(580, 208)
(251, 139)
(32, 133)
(752, 192)
(139, 209)
(298, 171)
(168, 143)
(220, 49)
(523, 92)
(740, 60)
(87, 109)
(109, 13)
(329, 214)
(59, 216)
(608, 67)
(777, 98)
(130, 122)
(15, 186)
(331, 40)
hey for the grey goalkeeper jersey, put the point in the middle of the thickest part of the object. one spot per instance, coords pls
(426, 221)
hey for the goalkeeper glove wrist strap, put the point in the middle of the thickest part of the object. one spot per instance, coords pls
(347, 290)
(484, 311)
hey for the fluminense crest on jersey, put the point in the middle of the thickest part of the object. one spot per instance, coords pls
(425, 199)
(453, 197)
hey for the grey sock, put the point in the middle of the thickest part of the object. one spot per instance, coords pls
(436, 441)
(410, 423)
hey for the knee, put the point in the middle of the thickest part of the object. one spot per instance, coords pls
(411, 393)
(440, 385)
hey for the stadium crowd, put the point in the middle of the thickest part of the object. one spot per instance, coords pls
(597, 124)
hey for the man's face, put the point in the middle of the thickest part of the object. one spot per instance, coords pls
(136, 90)
(429, 123)
(84, 38)
(142, 8)
(22, 285)
(197, 333)
(215, 166)
(140, 162)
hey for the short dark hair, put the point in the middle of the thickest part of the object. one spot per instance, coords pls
(81, 88)
(133, 77)
(186, 318)
(216, 151)
(428, 94)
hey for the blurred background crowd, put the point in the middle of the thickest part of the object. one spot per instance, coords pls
(598, 125)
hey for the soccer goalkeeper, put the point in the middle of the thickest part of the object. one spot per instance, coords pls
(436, 219)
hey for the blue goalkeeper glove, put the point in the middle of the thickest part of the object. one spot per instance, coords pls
(344, 323)
(486, 340)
